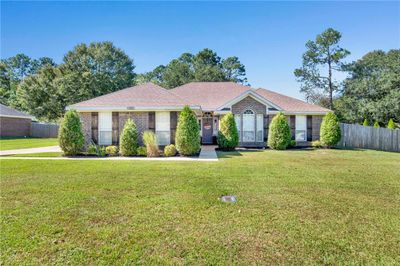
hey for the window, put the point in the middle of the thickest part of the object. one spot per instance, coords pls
(301, 127)
(238, 125)
(248, 126)
(163, 128)
(105, 128)
(260, 125)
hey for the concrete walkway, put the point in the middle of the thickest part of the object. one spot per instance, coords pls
(31, 150)
(207, 154)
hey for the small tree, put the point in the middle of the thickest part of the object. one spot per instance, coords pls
(391, 124)
(70, 136)
(279, 133)
(330, 133)
(228, 136)
(187, 137)
(365, 124)
(128, 141)
(376, 124)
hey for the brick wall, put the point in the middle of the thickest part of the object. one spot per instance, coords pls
(141, 120)
(86, 120)
(14, 127)
(248, 103)
(316, 124)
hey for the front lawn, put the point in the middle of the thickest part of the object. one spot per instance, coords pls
(294, 207)
(25, 143)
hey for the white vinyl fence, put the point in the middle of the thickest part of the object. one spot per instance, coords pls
(43, 130)
(358, 136)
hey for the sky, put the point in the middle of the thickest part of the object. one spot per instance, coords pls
(268, 37)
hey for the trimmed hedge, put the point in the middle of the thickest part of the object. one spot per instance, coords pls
(170, 150)
(228, 136)
(128, 142)
(279, 136)
(376, 124)
(365, 124)
(70, 135)
(330, 133)
(187, 137)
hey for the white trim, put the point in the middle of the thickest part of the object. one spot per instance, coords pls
(130, 108)
(16, 116)
(252, 94)
(300, 113)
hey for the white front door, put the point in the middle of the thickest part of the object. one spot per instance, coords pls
(163, 128)
(105, 128)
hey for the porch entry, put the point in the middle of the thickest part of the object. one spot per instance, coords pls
(207, 128)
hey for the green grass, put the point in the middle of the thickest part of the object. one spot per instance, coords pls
(294, 207)
(39, 154)
(25, 143)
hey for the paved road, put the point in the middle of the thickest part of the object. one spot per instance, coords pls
(31, 150)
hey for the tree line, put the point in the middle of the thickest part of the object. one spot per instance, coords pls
(371, 90)
(43, 88)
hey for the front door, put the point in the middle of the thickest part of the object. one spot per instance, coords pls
(207, 136)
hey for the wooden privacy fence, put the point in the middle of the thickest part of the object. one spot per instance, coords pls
(358, 136)
(42, 130)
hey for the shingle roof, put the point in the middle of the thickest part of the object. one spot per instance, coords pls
(290, 104)
(145, 95)
(11, 112)
(207, 95)
(210, 95)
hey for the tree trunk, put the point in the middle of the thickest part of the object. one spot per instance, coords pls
(330, 83)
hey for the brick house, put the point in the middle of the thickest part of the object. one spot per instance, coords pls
(155, 108)
(14, 123)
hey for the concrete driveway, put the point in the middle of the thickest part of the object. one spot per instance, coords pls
(31, 150)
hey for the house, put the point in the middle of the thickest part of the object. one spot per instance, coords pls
(14, 123)
(155, 108)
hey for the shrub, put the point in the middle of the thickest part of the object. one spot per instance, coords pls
(365, 124)
(91, 149)
(279, 136)
(187, 133)
(70, 136)
(128, 139)
(112, 150)
(150, 140)
(391, 124)
(330, 130)
(316, 144)
(228, 136)
(141, 151)
(170, 150)
(292, 143)
(376, 124)
(101, 152)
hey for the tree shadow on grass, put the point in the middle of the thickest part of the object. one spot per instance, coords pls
(235, 153)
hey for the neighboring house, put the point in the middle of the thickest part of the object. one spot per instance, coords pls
(155, 108)
(14, 123)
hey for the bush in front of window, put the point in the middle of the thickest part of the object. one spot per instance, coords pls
(128, 142)
(70, 135)
(91, 149)
(187, 133)
(151, 143)
(112, 150)
(279, 136)
(228, 136)
(316, 144)
(141, 151)
(330, 130)
(170, 150)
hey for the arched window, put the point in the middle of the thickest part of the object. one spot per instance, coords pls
(249, 123)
